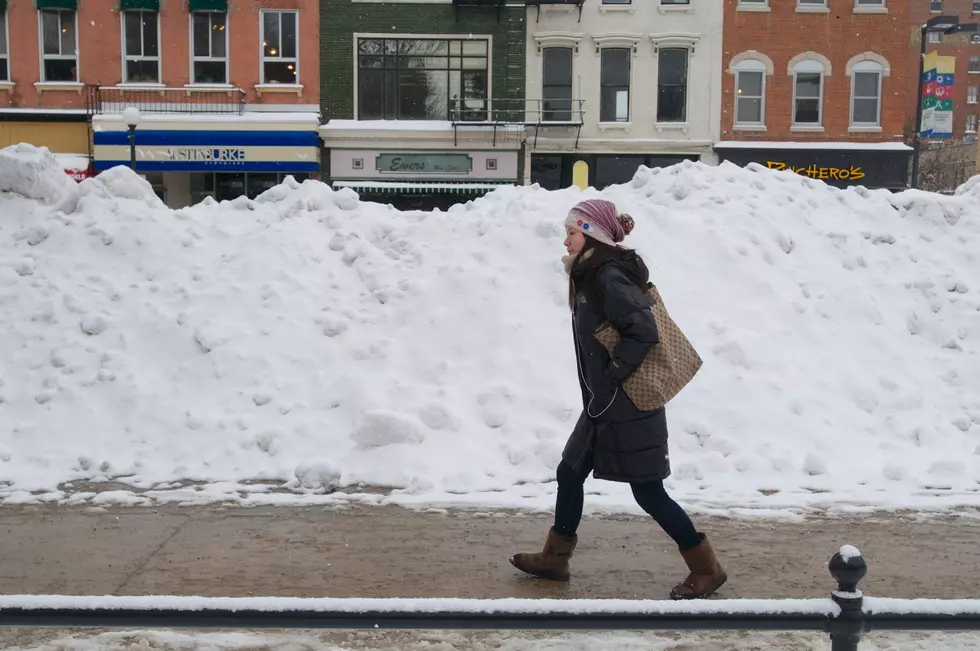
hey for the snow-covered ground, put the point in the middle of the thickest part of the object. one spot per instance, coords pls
(276, 350)
(142, 640)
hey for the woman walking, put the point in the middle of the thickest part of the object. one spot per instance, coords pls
(612, 438)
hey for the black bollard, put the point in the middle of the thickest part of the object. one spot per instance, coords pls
(848, 568)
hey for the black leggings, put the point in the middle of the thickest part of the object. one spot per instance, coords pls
(651, 497)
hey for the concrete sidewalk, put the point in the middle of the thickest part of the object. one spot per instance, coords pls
(386, 552)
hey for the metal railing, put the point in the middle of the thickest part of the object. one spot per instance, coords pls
(546, 112)
(515, 115)
(114, 99)
(845, 616)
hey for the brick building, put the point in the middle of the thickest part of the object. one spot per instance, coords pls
(422, 102)
(948, 162)
(228, 90)
(819, 87)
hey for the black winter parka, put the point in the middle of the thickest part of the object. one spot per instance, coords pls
(626, 444)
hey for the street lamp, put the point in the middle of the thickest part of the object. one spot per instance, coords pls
(942, 25)
(131, 116)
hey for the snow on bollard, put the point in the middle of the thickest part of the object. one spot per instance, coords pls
(847, 567)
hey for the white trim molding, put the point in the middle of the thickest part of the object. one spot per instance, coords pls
(617, 40)
(809, 56)
(685, 40)
(557, 39)
(857, 59)
(751, 55)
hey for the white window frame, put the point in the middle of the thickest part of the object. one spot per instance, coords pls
(871, 6)
(753, 3)
(970, 117)
(6, 36)
(811, 4)
(973, 94)
(192, 58)
(59, 57)
(809, 66)
(970, 70)
(755, 66)
(866, 67)
(934, 37)
(263, 58)
(125, 57)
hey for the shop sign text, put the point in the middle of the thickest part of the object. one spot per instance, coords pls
(850, 173)
(424, 164)
(229, 155)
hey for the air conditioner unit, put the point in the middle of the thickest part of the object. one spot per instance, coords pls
(975, 38)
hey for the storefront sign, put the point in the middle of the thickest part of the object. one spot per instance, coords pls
(850, 173)
(78, 175)
(207, 154)
(238, 145)
(424, 163)
(887, 167)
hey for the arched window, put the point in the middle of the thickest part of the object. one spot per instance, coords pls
(750, 93)
(866, 72)
(808, 74)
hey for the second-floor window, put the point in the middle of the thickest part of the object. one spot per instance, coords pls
(422, 79)
(614, 99)
(672, 85)
(209, 56)
(4, 60)
(557, 86)
(280, 61)
(142, 47)
(59, 54)
(808, 94)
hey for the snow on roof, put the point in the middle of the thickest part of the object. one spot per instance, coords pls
(215, 117)
(73, 161)
(770, 144)
(387, 125)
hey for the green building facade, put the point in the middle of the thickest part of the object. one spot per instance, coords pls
(422, 103)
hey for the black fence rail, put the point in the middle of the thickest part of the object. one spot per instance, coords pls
(515, 116)
(845, 616)
(115, 99)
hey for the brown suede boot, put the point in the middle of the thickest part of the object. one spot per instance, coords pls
(552, 562)
(706, 574)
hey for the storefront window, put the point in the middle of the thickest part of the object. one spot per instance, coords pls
(229, 186)
(614, 170)
(256, 184)
(422, 79)
(225, 186)
(202, 185)
(546, 171)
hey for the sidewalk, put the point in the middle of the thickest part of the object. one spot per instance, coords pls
(388, 552)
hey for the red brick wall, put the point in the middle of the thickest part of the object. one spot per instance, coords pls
(956, 45)
(839, 34)
(100, 50)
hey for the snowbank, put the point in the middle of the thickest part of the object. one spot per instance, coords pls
(312, 339)
(33, 172)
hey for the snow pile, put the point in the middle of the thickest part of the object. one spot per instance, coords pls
(316, 342)
(33, 172)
